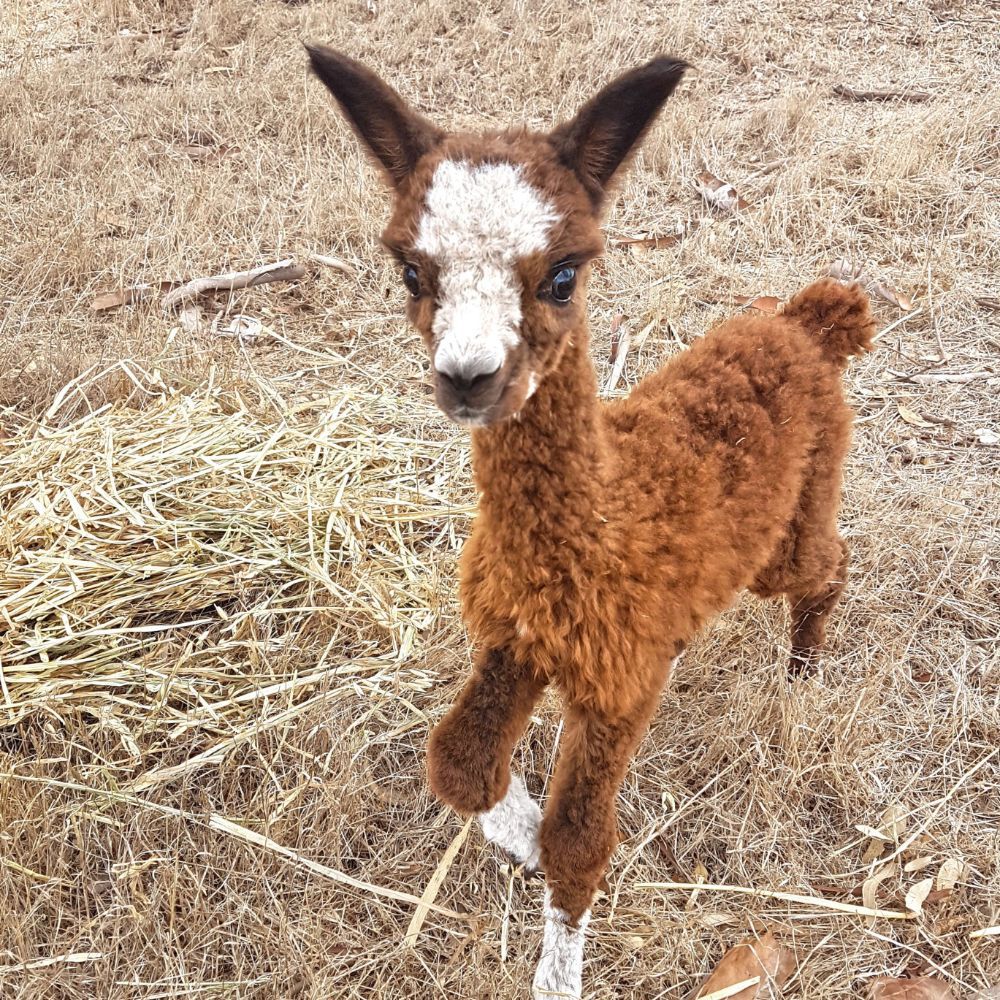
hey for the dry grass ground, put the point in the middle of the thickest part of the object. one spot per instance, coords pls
(229, 596)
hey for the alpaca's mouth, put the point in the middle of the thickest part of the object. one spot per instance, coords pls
(485, 404)
(465, 416)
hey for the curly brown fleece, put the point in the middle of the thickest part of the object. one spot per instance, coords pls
(608, 534)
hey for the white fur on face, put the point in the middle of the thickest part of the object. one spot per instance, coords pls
(560, 969)
(478, 222)
(513, 823)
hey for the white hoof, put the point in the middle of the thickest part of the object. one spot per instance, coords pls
(513, 824)
(560, 969)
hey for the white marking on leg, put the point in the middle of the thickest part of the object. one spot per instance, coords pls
(560, 969)
(478, 221)
(513, 823)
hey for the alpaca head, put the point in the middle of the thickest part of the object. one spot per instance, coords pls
(494, 233)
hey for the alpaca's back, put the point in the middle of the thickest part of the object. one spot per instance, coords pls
(717, 447)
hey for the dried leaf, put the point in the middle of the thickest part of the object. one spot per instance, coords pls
(243, 328)
(895, 820)
(919, 988)
(950, 873)
(891, 827)
(874, 850)
(191, 320)
(619, 352)
(917, 894)
(616, 337)
(749, 969)
(844, 270)
(870, 831)
(762, 303)
(718, 193)
(936, 895)
(919, 864)
(890, 295)
(988, 437)
(869, 888)
(203, 146)
(640, 337)
(112, 224)
(660, 242)
(699, 874)
(912, 417)
(111, 300)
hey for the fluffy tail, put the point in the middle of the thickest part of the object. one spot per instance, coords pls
(836, 316)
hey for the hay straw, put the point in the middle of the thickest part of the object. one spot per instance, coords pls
(73, 958)
(728, 991)
(434, 884)
(849, 909)
(984, 932)
(227, 826)
(258, 839)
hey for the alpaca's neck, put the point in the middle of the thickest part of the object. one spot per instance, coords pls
(553, 458)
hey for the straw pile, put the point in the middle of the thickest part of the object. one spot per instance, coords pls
(160, 561)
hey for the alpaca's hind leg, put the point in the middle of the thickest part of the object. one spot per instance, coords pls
(810, 608)
(809, 565)
(468, 760)
(579, 832)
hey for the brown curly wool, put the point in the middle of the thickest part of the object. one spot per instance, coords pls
(607, 533)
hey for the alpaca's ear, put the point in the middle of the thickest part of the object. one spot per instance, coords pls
(394, 133)
(609, 126)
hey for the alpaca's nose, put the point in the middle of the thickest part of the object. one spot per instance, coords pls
(467, 381)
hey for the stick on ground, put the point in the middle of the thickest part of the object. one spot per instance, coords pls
(283, 270)
(916, 96)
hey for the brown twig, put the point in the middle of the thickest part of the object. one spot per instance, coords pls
(916, 96)
(283, 270)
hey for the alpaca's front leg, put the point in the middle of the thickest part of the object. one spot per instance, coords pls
(468, 761)
(579, 832)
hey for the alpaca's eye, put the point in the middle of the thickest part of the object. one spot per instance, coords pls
(563, 283)
(412, 280)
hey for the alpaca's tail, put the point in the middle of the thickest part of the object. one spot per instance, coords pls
(837, 316)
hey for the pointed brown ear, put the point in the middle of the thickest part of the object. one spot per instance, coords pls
(392, 131)
(609, 126)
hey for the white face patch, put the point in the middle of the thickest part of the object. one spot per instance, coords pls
(477, 223)
(513, 824)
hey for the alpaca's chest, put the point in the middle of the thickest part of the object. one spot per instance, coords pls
(518, 591)
(570, 613)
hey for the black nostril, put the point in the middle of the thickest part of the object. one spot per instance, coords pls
(461, 382)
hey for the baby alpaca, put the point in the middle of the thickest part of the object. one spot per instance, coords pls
(607, 534)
